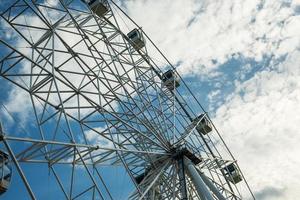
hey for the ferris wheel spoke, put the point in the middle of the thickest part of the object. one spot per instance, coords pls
(165, 190)
(154, 181)
(95, 130)
(149, 181)
(173, 182)
(64, 151)
(166, 187)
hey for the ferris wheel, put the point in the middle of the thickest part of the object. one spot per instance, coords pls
(102, 98)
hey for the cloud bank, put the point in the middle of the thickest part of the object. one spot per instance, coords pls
(202, 35)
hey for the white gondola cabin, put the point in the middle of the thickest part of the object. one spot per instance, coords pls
(232, 173)
(204, 126)
(99, 7)
(137, 39)
(5, 172)
(170, 80)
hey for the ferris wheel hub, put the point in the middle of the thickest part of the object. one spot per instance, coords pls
(181, 152)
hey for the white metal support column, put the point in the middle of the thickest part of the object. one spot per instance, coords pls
(201, 187)
(212, 186)
(182, 181)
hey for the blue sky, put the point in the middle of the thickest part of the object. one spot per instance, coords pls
(241, 59)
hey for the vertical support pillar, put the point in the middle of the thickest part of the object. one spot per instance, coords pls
(201, 187)
(212, 187)
(182, 181)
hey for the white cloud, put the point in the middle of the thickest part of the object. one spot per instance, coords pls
(95, 138)
(198, 32)
(17, 102)
(262, 128)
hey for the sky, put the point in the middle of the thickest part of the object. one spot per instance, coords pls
(242, 60)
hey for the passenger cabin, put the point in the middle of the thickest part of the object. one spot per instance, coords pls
(99, 7)
(204, 126)
(137, 39)
(170, 80)
(5, 172)
(232, 173)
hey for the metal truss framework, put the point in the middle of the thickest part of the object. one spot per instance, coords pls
(83, 78)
